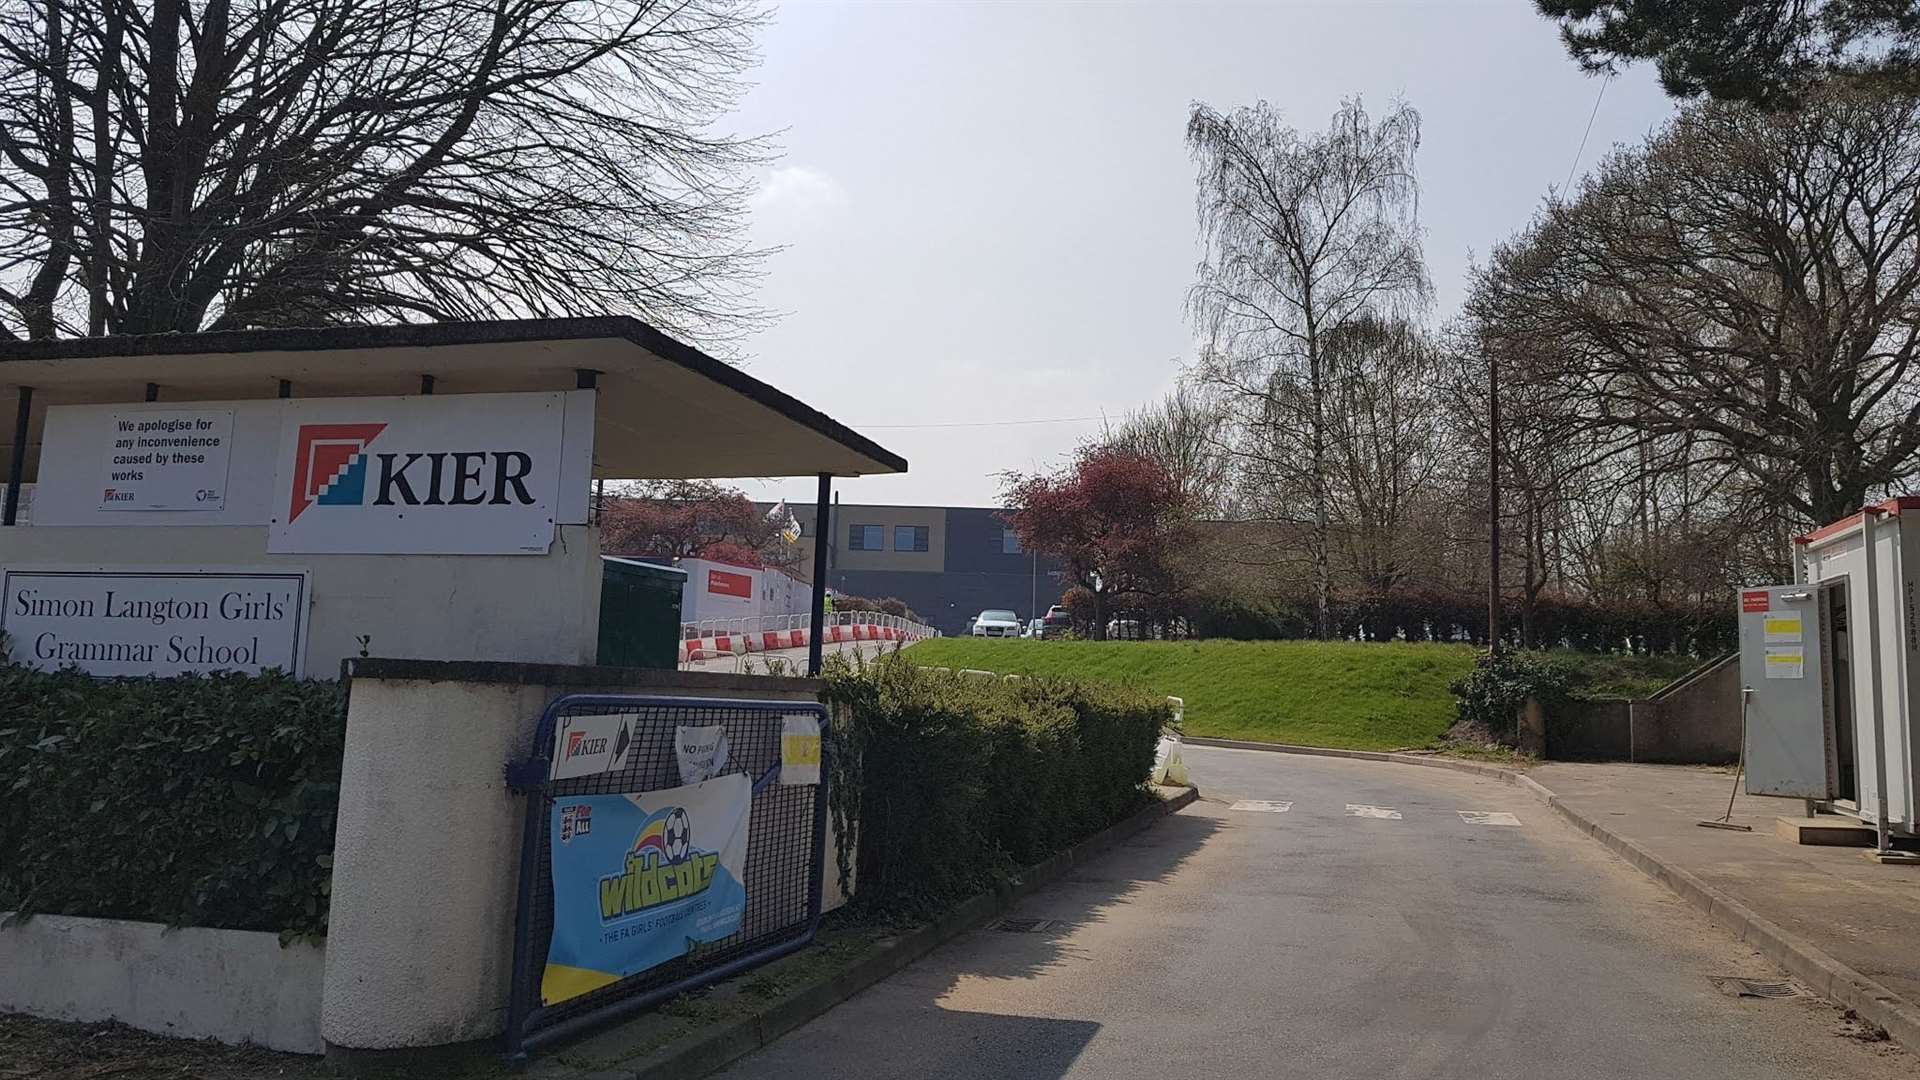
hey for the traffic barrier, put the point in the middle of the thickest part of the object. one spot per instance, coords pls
(710, 647)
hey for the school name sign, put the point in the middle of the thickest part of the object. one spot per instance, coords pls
(131, 623)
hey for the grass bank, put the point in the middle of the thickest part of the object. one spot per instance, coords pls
(1603, 675)
(1354, 696)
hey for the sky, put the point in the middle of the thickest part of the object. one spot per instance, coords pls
(985, 211)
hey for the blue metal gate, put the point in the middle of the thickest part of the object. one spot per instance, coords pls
(785, 854)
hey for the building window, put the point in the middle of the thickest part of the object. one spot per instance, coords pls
(1009, 542)
(867, 538)
(910, 537)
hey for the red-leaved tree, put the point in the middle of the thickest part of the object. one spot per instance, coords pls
(1114, 516)
(693, 519)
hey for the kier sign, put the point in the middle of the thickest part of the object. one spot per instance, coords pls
(454, 474)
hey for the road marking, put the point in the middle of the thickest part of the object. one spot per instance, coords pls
(1487, 817)
(1262, 806)
(1356, 810)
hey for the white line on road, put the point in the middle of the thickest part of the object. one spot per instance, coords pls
(1487, 817)
(1262, 806)
(1356, 810)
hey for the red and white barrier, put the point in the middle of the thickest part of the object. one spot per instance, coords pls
(742, 636)
(707, 648)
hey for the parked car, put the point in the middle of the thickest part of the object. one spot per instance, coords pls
(996, 622)
(1056, 621)
(1035, 629)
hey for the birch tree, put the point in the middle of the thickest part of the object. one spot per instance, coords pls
(1304, 236)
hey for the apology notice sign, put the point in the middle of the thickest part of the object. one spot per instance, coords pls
(166, 459)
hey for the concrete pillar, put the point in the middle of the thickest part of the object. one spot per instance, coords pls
(426, 850)
(1532, 734)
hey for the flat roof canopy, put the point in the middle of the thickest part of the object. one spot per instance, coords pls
(665, 410)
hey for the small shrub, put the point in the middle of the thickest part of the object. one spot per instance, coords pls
(1491, 694)
(192, 801)
(952, 782)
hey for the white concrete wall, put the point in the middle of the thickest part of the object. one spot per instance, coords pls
(426, 856)
(529, 608)
(232, 985)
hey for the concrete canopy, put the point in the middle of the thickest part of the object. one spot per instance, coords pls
(665, 410)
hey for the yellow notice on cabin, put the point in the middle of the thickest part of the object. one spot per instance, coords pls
(1786, 662)
(1783, 627)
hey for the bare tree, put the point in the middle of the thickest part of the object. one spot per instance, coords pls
(1746, 282)
(1181, 432)
(173, 166)
(1304, 235)
(1385, 428)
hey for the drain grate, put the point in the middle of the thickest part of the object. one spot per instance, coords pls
(1735, 986)
(1025, 926)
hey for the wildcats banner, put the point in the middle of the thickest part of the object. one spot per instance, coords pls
(640, 879)
(437, 474)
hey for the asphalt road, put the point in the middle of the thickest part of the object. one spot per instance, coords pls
(1336, 939)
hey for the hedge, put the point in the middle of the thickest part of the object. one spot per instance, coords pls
(951, 783)
(192, 801)
(1493, 692)
(1422, 615)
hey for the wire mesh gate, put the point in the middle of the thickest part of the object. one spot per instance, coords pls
(785, 853)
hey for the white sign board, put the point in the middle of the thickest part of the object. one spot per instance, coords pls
(701, 751)
(166, 459)
(800, 749)
(591, 745)
(454, 474)
(117, 622)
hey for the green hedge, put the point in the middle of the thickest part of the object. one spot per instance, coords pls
(193, 801)
(952, 782)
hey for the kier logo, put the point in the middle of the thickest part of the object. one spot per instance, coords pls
(330, 465)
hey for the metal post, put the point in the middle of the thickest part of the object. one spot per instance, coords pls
(17, 468)
(821, 506)
(1493, 503)
(1867, 517)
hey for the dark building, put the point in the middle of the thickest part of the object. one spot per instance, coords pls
(947, 563)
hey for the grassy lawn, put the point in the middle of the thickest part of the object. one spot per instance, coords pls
(1356, 696)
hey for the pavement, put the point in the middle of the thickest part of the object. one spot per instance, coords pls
(1371, 920)
(1861, 913)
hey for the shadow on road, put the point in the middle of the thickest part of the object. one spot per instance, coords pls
(959, 1012)
(1091, 893)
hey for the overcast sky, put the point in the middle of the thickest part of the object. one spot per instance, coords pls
(987, 208)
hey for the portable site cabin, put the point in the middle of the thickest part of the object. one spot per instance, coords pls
(291, 498)
(1828, 667)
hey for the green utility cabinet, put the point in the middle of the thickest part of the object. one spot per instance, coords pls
(640, 613)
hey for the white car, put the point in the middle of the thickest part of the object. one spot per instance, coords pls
(996, 622)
